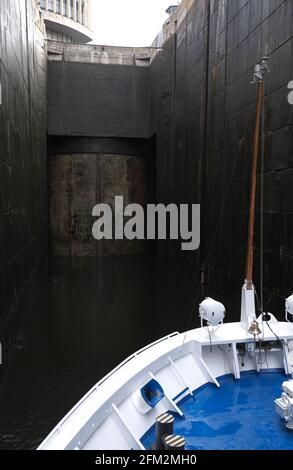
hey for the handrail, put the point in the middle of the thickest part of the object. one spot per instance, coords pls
(103, 380)
(134, 355)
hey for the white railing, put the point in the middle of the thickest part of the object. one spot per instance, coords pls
(104, 379)
(133, 356)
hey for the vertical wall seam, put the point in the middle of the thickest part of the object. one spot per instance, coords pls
(204, 126)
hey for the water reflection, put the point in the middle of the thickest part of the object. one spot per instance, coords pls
(84, 319)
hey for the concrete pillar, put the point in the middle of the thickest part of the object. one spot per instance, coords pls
(74, 11)
(86, 13)
(79, 12)
(68, 8)
(47, 5)
(54, 6)
(62, 6)
(89, 12)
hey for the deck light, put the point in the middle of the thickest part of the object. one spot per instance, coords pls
(289, 308)
(212, 312)
(284, 405)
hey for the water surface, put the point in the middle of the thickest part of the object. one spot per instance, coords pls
(81, 322)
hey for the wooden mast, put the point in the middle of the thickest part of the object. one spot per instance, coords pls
(250, 244)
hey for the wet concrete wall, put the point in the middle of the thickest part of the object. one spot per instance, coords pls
(203, 112)
(197, 101)
(23, 159)
(99, 145)
(241, 33)
(98, 100)
(178, 98)
(78, 183)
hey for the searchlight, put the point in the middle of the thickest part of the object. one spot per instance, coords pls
(212, 312)
(289, 308)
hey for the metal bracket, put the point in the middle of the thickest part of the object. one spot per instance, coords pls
(260, 69)
(180, 375)
(168, 398)
(134, 441)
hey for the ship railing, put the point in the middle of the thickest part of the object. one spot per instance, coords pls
(104, 379)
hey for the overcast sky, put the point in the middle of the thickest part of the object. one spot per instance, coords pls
(128, 22)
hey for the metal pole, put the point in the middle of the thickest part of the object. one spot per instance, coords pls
(164, 428)
(174, 443)
(250, 244)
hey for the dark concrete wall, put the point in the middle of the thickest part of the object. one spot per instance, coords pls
(97, 100)
(197, 100)
(23, 162)
(99, 145)
(178, 112)
(242, 32)
(204, 139)
(70, 145)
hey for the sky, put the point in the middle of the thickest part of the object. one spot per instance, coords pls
(132, 23)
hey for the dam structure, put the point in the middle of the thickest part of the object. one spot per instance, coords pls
(169, 123)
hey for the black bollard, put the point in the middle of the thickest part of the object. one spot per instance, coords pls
(164, 427)
(174, 442)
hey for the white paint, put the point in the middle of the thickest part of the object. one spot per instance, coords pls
(247, 307)
(180, 375)
(284, 405)
(139, 402)
(235, 362)
(118, 423)
(290, 362)
(289, 307)
(135, 444)
(212, 312)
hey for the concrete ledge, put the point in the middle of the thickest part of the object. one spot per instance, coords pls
(88, 53)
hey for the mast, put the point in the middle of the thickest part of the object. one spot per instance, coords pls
(248, 314)
(251, 225)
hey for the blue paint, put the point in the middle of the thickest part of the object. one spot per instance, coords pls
(152, 393)
(238, 416)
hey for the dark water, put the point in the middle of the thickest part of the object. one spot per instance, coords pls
(83, 320)
(238, 416)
